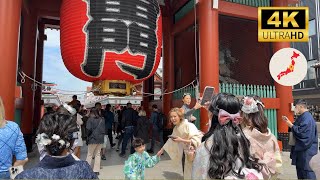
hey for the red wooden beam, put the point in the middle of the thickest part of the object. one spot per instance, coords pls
(184, 23)
(177, 4)
(46, 21)
(47, 8)
(238, 10)
(225, 8)
(48, 14)
(51, 5)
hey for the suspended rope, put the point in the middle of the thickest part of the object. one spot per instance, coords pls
(165, 93)
(39, 84)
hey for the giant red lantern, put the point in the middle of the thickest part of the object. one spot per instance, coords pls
(113, 43)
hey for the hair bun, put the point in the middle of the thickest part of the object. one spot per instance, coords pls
(55, 149)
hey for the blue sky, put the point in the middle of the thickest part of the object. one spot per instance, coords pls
(53, 67)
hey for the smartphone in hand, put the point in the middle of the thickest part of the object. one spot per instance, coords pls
(207, 94)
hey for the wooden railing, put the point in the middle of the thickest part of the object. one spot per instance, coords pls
(244, 90)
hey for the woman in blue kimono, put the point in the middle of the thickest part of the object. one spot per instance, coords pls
(306, 140)
(57, 134)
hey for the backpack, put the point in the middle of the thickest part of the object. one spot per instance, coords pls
(161, 120)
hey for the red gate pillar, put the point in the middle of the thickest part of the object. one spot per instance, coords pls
(209, 52)
(10, 12)
(28, 67)
(283, 92)
(39, 71)
(285, 95)
(168, 66)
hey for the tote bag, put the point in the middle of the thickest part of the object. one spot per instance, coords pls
(292, 140)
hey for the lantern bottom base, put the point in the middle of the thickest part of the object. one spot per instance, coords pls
(112, 87)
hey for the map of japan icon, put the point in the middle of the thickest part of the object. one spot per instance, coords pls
(288, 66)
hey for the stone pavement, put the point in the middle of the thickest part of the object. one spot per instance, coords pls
(112, 167)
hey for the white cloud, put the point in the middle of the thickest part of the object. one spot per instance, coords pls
(54, 69)
(53, 38)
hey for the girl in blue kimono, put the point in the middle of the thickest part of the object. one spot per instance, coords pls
(134, 167)
(304, 131)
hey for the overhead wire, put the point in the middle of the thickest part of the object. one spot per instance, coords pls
(60, 91)
(166, 93)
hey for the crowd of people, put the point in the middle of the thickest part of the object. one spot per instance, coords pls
(237, 145)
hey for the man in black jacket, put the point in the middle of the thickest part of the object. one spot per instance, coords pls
(129, 120)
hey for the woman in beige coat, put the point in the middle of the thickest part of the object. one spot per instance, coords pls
(184, 139)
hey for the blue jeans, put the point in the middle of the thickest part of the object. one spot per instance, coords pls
(128, 135)
(156, 133)
(5, 175)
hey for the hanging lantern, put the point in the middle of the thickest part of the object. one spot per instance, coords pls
(112, 43)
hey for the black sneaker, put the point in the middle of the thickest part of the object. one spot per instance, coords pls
(117, 149)
(103, 157)
(97, 173)
(150, 151)
(112, 145)
(122, 155)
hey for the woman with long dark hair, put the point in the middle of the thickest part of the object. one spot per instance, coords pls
(264, 145)
(57, 133)
(225, 153)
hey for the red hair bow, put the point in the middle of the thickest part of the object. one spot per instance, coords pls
(224, 117)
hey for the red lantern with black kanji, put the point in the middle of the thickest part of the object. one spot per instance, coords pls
(113, 43)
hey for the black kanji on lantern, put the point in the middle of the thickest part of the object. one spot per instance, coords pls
(119, 24)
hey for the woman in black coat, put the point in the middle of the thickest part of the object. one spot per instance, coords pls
(142, 128)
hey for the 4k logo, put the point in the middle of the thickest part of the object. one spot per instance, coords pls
(283, 24)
